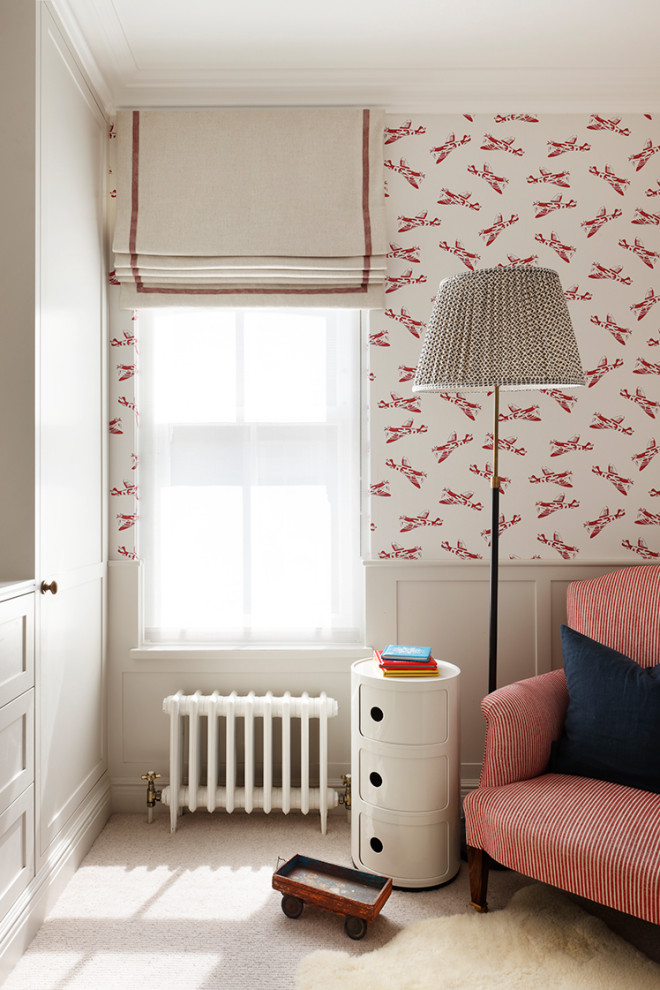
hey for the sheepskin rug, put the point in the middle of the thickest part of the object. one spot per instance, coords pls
(540, 941)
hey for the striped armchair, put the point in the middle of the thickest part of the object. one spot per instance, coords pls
(591, 837)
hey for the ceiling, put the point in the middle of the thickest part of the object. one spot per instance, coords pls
(467, 55)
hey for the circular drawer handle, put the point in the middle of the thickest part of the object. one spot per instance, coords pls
(375, 779)
(376, 845)
(376, 714)
(52, 587)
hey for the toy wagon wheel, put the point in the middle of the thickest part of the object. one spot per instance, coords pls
(355, 927)
(292, 906)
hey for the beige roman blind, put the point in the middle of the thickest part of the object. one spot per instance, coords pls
(250, 207)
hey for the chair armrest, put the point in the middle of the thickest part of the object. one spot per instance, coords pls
(522, 721)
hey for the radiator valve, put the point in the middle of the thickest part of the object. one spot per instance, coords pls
(153, 794)
(345, 798)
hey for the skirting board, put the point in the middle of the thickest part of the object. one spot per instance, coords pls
(22, 922)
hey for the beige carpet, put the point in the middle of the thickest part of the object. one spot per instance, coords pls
(197, 910)
(542, 940)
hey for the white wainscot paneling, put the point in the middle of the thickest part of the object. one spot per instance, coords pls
(446, 606)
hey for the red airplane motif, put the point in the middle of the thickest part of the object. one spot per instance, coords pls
(487, 474)
(644, 458)
(615, 423)
(406, 523)
(126, 371)
(622, 485)
(644, 156)
(496, 182)
(400, 553)
(397, 432)
(504, 443)
(460, 550)
(414, 477)
(645, 367)
(129, 554)
(646, 518)
(573, 294)
(599, 123)
(555, 541)
(406, 253)
(452, 444)
(649, 406)
(643, 217)
(406, 374)
(602, 217)
(620, 334)
(503, 525)
(491, 143)
(126, 519)
(467, 257)
(490, 233)
(563, 399)
(547, 508)
(654, 492)
(414, 326)
(618, 184)
(641, 549)
(654, 341)
(403, 168)
(128, 489)
(600, 271)
(135, 462)
(409, 403)
(406, 129)
(520, 262)
(448, 198)
(381, 488)
(561, 147)
(644, 254)
(456, 498)
(421, 220)
(601, 369)
(555, 178)
(379, 338)
(596, 526)
(123, 401)
(527, 118)
(451, 144)
(566, 446)
(565, 251)
(515, 412)
(116, 425)
(395, 282)
(654, 192)
(644, 307)
(465, 405)
(129, 340)
(556, 203)
(562, 478)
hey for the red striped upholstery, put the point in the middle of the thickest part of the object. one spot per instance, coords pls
(594, 838)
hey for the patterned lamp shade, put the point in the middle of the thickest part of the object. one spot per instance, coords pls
(499, 326)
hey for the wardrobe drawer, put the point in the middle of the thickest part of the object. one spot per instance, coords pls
(16, 748)
(16, 849)
(390, 778)
(16, 647)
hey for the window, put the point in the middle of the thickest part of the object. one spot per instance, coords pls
(250, 476)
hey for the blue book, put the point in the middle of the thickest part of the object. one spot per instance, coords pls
(418, 653)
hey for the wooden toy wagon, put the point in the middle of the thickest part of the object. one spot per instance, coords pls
(357, 896)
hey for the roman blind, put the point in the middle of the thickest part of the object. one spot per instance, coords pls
(249, 207)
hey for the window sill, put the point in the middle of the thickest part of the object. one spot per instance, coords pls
(293, 658)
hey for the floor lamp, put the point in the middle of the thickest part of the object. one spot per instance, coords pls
(492, 329)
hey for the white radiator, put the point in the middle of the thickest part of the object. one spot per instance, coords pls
(213, 754)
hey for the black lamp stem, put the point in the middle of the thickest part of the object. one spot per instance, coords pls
(494, 550)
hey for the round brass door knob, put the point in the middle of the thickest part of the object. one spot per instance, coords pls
(52, 587)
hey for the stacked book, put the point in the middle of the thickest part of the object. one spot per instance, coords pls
(406, 661)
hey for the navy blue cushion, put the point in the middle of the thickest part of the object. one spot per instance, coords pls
(612, 727)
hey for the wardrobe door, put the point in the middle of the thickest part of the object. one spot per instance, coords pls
(71, 551)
